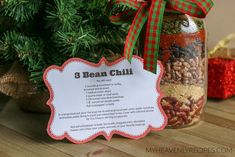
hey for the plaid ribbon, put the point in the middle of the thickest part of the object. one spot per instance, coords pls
(151, 11)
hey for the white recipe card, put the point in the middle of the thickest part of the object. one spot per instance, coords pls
(88, 100)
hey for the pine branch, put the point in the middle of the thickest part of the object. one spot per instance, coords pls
(63, 15)
(30, 53)
(73, 42)
(72, 28)
(7, 46)
(21, 10)
(15, 46)
(91, 5)
(90, 34)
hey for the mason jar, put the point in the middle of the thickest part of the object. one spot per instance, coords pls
(184, 58)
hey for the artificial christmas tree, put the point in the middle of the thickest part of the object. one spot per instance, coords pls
(40, 33)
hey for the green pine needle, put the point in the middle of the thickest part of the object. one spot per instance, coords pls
(72, 43)
(63, 15)
(7, 46)
(21, 10)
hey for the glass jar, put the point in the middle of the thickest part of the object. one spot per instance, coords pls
(184, 58)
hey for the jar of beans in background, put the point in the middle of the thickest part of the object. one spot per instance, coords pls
(184, 58)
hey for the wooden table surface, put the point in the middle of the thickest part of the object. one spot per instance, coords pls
(24, 135)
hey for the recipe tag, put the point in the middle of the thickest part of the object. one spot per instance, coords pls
(88, 100)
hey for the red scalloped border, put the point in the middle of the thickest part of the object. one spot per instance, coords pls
(107, 137)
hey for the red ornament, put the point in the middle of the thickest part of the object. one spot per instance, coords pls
(221, 78)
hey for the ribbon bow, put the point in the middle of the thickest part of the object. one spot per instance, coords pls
(151, 11)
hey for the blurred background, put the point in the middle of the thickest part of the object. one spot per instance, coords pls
(220, 21)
